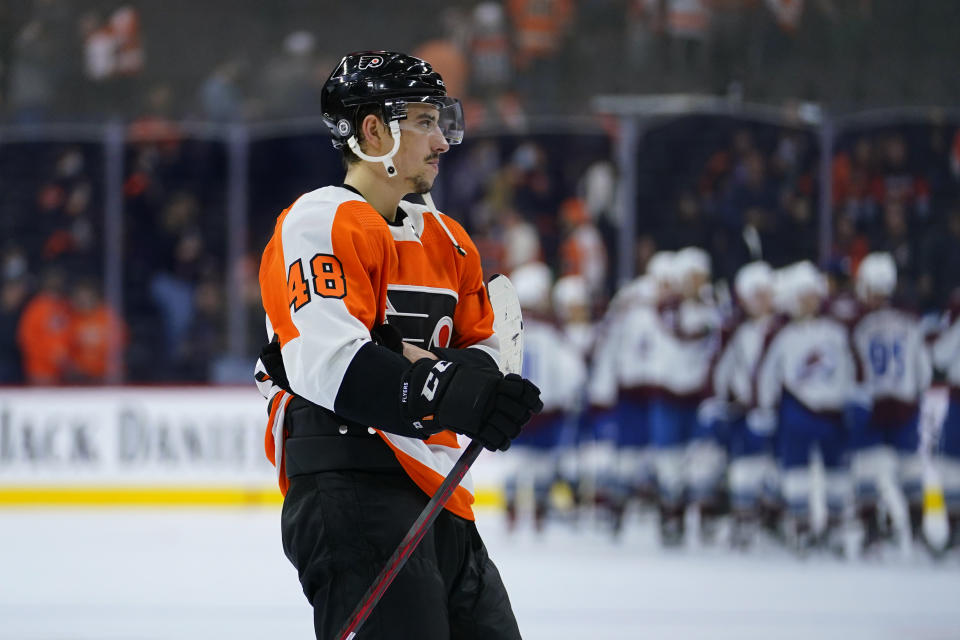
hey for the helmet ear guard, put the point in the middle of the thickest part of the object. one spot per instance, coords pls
(387, 158)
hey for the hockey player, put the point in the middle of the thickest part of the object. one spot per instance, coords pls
(556, 367)
(803, 384)
(360, 420)
(894, 371)
(750, 454)
(599, 484)
(687, 345)
(571, 306)
(946, 358)
(635, 339)
(572, 310)
(616, 447)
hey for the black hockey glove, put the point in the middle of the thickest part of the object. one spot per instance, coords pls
(480, 403)
(469, 357)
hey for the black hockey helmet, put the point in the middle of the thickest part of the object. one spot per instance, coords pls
(389, 80)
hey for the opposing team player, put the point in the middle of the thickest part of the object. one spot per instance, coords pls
(571, 307)
(572, 310)
(804, 382)
(602, 483)
(750, 454)
(359, 418)
(946, 358)
(894, 371)
(556, 367)
(631, 354)
(687, 346)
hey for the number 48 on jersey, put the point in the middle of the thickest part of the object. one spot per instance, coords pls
(326, 276)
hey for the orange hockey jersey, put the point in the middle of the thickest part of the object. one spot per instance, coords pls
(333, 270)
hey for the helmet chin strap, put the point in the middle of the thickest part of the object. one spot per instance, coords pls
(386, 159)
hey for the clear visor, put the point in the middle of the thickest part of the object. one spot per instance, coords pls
(449, 119)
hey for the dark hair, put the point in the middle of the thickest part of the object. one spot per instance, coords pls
(364, 110)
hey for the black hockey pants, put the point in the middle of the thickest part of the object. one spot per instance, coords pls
(339, 528)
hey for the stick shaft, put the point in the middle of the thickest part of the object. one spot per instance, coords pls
(406, 548)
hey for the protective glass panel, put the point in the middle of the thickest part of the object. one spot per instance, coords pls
(282, 168)
(740, 189)
(51, 263)
(525, 197)
(175, 284)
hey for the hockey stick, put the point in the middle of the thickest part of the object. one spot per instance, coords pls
(508, 326)
(935, 524)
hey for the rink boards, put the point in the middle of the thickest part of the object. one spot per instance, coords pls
(142, 446)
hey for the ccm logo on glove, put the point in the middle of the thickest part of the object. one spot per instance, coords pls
(478, 402)
(433, 380)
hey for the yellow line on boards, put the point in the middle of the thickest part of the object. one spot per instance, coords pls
(165, 497)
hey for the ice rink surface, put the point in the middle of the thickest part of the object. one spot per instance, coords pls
(192, 574)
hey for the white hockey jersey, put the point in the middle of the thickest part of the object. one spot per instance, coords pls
(332, 271)
(639, 349)
(610, 348)
(554, 365)
(891, 356)
(688, 347)
(736, 370)
(946, 352)
(811, 359)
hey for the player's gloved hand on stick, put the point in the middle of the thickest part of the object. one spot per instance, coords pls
(481, 403)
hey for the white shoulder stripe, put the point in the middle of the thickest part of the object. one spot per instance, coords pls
(413, 287)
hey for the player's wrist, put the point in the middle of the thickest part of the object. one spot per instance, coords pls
(470, 357)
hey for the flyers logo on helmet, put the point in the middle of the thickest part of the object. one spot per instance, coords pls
(370, 61)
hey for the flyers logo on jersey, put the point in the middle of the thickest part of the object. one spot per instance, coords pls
(370, 62)
(423, 315)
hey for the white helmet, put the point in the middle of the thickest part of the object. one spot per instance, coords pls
(802, 278)
(532, 282)
(751, 278)
(782, 295)
(876, 276)
(661, 267)
(570, 291)
(692, 260)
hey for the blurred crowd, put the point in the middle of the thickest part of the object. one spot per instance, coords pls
(741, 192)
(510, 60)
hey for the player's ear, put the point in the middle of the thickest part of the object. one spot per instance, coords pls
(374, 136)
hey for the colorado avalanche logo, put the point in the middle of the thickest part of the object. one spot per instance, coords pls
(817, 364)
(370, 62)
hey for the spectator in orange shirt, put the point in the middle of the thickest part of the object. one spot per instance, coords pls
(98, 336)
(43, 332)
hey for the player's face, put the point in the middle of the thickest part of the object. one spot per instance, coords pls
(760, 303)
(808, 304)
(421, 143)
(694, 283)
